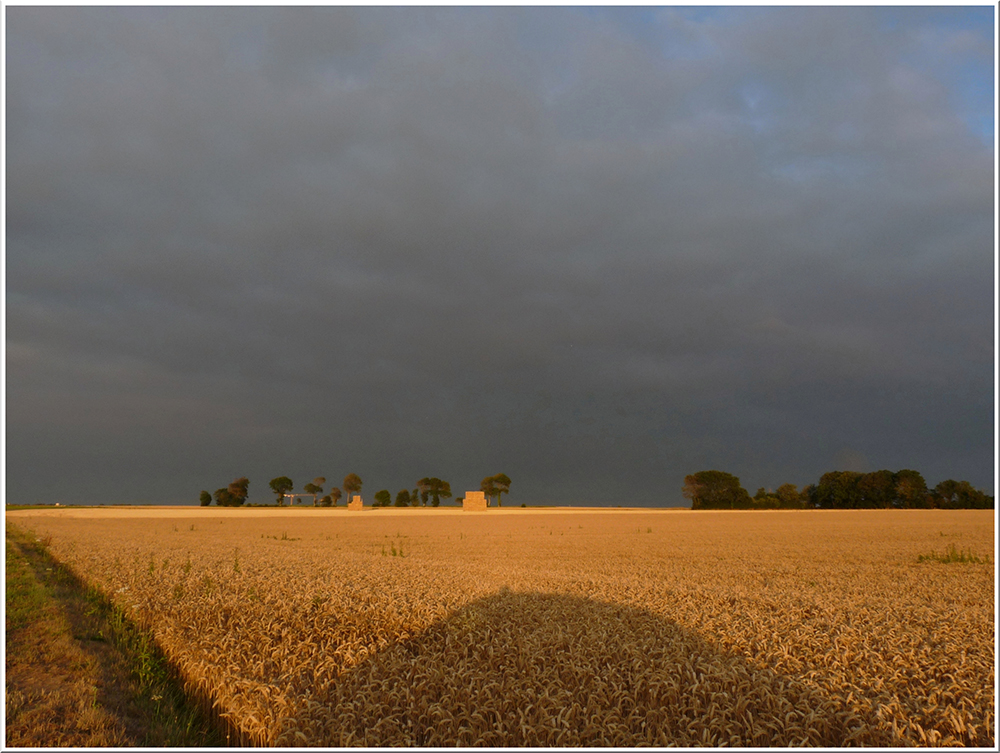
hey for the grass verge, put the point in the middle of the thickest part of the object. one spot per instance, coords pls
(78, 672)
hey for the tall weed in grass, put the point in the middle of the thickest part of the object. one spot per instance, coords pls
(954, 555)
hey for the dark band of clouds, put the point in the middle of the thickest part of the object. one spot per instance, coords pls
(595, 250)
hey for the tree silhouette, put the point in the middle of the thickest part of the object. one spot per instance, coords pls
(280, 485)
(314, 488)
(238, 491)
(789, 496)
(710, 490)
(501, 485)
(434, 488)
(487, 488)
(352, 485)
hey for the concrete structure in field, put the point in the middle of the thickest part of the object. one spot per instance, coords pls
(475, 501)
(292, 496)
(355, 503)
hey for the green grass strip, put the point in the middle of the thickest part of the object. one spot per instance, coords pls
(37, 582)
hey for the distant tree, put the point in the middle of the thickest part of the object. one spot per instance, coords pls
(501, 485)
(415, 500)
(280, 486)
(765, 500)
(968, 497)
(352, 485)
(326, 501)
(789, 497)
(911, 490)
(335, 495)
(809, 498)
(982, 501)
(876, 489)
(424, 488)
(443, 492)
(712, 490)
(488, 489)
(238, 491)
(946, 494)
(403, 498)
(434, 489)
(383, 498)
(838, 490)
(223, 498)
(206, 499)
(954, 495)
(314, 489)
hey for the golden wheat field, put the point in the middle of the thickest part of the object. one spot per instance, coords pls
(557, 627)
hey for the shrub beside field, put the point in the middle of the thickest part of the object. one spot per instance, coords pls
(562, 628)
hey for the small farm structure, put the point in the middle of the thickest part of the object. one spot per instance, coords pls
(474, 501)
(292, 496)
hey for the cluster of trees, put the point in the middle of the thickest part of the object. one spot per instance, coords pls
(283, 485)
(884, 489)
(434, 489)
(837, 490)
(494, 486)
(234, 495)
(429, 489)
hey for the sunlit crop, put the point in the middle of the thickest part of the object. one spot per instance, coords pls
(554, 628)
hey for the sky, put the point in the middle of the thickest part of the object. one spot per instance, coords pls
(595, 249)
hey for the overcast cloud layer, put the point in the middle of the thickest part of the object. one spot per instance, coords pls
(594, 250)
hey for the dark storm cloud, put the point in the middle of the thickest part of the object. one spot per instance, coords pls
(595, 250)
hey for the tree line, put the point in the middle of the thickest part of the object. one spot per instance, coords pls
(428, 489)
(234, 495)
(836, 490)
(283, 485)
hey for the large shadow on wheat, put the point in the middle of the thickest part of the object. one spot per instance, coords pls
(543, 670)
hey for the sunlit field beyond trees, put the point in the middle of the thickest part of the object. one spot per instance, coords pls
(559, 627)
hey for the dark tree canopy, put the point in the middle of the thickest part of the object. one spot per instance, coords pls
(836, 490)
(352, 484)
(789, 496)
(952, 495)
(240, 488)
(494, 486)
(849, 490)
(234, 495)
(501, 485)
(486, 487)
(280, 486)
(433, 489)
(714, 490)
